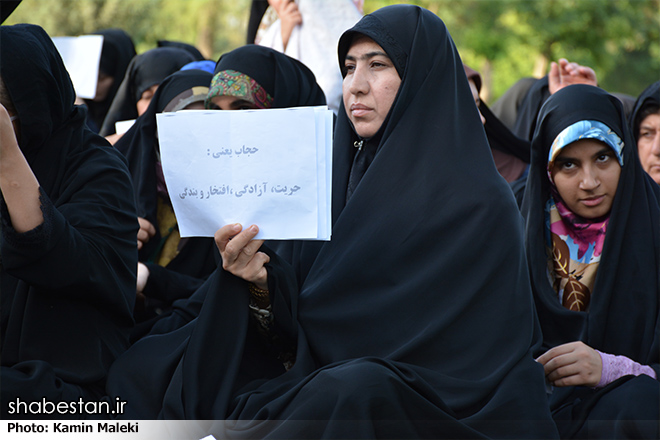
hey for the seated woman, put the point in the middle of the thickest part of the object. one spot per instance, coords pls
(593, 246)
(170, 268)
(68, 236)
(117, 52)
(143, 75)
(645, 122)
(237, 84)
(415, 321)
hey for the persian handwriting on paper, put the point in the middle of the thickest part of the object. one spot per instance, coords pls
(256, 190)
(280, 189)
(229, 152)
(252, 189)
(219, 170)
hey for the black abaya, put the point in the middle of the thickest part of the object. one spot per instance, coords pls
(68, 286)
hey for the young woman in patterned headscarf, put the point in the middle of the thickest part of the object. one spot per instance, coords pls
(593, 245)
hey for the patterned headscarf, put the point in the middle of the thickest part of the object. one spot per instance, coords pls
(240, 85)
(575, 244)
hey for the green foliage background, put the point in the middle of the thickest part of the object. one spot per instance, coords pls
(504, 39)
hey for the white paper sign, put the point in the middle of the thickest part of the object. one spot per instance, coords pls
(272, 168)
(81, 56)
(122, 127)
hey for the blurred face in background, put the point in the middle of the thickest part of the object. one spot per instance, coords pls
(648, 145)
(144, 101)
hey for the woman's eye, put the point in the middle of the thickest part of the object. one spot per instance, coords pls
(567, 165)
(349, 68)
(603, 158)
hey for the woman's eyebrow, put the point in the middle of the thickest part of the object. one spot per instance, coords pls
(367, 55)
(605, 150)
(240, 103)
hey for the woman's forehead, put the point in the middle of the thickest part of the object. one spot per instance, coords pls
(364, 41)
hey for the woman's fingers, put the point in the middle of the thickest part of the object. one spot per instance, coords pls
(574, 363)
(146, 231)
(224, 235)
(240, 253)
(235, 245)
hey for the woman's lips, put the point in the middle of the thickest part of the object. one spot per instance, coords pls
(593, 201)
(359, 110)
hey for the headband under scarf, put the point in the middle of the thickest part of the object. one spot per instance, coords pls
(240, 85)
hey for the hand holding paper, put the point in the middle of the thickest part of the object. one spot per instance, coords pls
(270, 168)
(240, 253)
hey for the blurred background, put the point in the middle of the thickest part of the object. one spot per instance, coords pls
(504, 40)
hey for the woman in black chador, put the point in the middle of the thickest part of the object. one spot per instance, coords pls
(415, 321)
(117, 52)
(593, 246)
(143, 76)
(170, 267)
(68, 234)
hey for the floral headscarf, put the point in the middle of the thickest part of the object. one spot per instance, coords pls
(233, 83)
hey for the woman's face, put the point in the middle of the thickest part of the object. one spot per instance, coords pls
(648, 145)
(103, 86)
(225, 102)
(143, 104)
(370, 85)
(586, 175)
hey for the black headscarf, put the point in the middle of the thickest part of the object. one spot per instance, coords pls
(420, 301)
(650, 96)
(145, 70)
(140, 144)
(499, 136)
(68, 286)
(288, 81)
(625, 304)
(118, 51)
(529, 108)
(197, 55)
(257, 10)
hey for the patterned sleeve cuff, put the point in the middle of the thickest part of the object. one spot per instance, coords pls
(615, 367)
